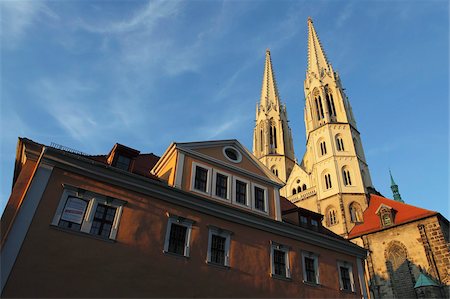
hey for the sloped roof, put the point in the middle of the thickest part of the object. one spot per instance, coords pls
(425, 281)
(404, 213)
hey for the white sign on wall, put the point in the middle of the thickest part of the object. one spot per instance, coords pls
(74, 210)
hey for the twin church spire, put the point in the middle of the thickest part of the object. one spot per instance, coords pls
(317, 60)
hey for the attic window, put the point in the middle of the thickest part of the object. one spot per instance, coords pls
(386, 217)
(123, 162)
(232, 154)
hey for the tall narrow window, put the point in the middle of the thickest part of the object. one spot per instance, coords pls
(280, 260)
(346, 177)
(294, 191)
(274, 137)
(221, 185)
(331, 217)
(332, 104)
(178, 235)
(355, 212)
(321, 108)
(346, 277)
(327, 98)
(299, 189)
(328, 181)
(339, 143)
(201, 178)
(241, 192)
(310, 267)
(218, 246)
(260, 200)
(317, 109)
(261, 141)
(323, 148)
(303, 187)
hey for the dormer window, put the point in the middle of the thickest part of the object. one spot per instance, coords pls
(386, 215)
(123, 162)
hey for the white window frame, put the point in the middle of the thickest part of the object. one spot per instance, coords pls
(93, 200)
(173, 219)
(285, 249)
(314, 256)
(214, 186)
(347, 265)
(213, 230)
(248, 196)
(266, 199)
(208, 178)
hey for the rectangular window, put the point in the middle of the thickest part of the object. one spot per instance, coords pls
(346, 281)
(280, 261)
(218, 246)
(103, 220)
(123, 162)
(241, 192)
(178, 235)
(177, 239)
(221, 186)
(88, 212)
(260, 199)
(310, 267)
(303, 221)
(201, 178)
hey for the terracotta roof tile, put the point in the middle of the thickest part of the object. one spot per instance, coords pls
(403, 213)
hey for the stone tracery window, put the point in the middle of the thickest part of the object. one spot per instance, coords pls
(355, 212)
(331, 216)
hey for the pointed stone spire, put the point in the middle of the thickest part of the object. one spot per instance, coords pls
(317, 60)
(269, 90)
(394, 188)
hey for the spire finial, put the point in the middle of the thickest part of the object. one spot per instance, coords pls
(269, 91)
(394, 188)
(317, 60)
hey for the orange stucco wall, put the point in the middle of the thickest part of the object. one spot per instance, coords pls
(57, 263)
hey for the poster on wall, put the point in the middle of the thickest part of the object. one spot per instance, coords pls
(74, 210)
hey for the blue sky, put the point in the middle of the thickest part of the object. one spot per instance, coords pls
(87, 74)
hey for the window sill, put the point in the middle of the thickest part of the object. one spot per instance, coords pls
(347, 291)
(176, 255)
(281, 277)
(219, 266)
(312, 284)
(82, 234)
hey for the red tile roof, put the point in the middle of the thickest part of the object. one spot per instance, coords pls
(403, 213)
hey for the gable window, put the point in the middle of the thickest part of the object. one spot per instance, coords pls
(218, 246)
(304, 187)
(232, 154)
(280, 261)
(221, 185)
(294, 191)
(299, 189)
(123, 162)
(346, 176)
(328, 181)
(259, 198)
(201, 178)
(240, 192)
(178, 235)
(346, 277)
(310, 267)
(386, 219)
(88, 212)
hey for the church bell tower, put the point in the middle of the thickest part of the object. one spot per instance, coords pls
(272, 137)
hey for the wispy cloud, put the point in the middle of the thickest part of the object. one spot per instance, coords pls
(17, 17)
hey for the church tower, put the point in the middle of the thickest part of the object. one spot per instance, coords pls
(272, 137)
(334, 166)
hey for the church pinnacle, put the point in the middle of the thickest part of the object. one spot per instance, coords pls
(394, 188)
(269, 90)
(317, 60)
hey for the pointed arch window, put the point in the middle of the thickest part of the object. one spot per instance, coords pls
(328, 181)
(330, 102)
(304, 187)
(331, 216)
(321, 108)
(355, 212)
(261, 144)
(323, 148)
(346, 176)
(294, 191)
(299, 189)
(339, 143)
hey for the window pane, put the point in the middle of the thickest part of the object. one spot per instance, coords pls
(221, 185)
(310, 270)
(218, 249)
(345, 276)
(201, 175)
(123, 162)
(279, 262)
(241, 192)
(259, 199)
(103, 220)
(177, 239)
